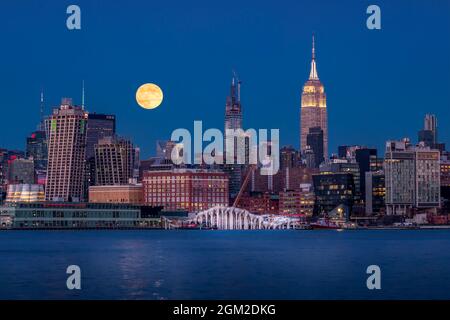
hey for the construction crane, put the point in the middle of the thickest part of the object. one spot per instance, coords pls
(251, 169)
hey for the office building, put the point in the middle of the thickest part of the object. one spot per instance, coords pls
(412, 178)
(193, 190)
(375, 192)
(289, 158)
(333, 190)
(345, 166)
(37, 150)
(114, 161)
(233, 121)
(21, 171)
(296, 203)
(260, 202)
(66, 153)
(367, 160)
(314, 140)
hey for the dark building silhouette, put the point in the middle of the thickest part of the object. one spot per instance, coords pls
(314, 140)
(342, 151)
(332, 190)
(429, 135)
(114, 161)
(99, 126)
(37, 149)
(289, 157)
(375, 193)
(367, 160)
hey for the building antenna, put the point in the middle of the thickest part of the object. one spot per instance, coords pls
(82, 95)
(313, 47)
(41, 111)
(236, 78)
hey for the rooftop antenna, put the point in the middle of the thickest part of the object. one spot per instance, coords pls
(82, 95)
(41, 111)
(313, 48)
(313, 74)
(235, 76)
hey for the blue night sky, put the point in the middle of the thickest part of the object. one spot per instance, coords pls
(379, 83)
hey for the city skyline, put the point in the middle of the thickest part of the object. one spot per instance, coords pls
(352, 58)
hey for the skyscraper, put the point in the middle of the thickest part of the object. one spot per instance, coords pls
(233, 121)
(429, 135)
(367, 160)
(98, 127)
(233, 110)
(37, 149)
(333, 190)
(114, 161)
(21, 171)
(289, 157)
(412, 178)
(66, 153)
(314, 139)
(313, 107)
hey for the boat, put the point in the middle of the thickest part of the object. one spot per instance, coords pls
(325, 224)
(332, 224)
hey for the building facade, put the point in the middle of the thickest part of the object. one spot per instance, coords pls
(375, 192)
(193, 190)
(345, 166)
(296, 203)
(289, 158)
(21, 171)
(412, 178)
(99, 126)
(45, 215)
(286, 179)
(25, 193)
(260, 202)
(114, 161)
(367, 160)
(332, 190)
(66, 153)
(117, 194)
(37, 150)
(314, 140)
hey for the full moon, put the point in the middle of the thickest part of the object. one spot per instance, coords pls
(149, 96)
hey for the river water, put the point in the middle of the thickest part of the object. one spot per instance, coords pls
(212, 264)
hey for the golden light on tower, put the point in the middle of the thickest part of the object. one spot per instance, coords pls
(149, 96)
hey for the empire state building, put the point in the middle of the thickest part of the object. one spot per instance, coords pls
(313, 107)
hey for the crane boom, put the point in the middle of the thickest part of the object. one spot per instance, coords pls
(244, 184)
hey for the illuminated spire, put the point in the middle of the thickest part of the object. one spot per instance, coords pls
(313, 74)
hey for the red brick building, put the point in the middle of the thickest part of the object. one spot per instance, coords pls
(285, 179)
(259, 202)
(185, 189)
